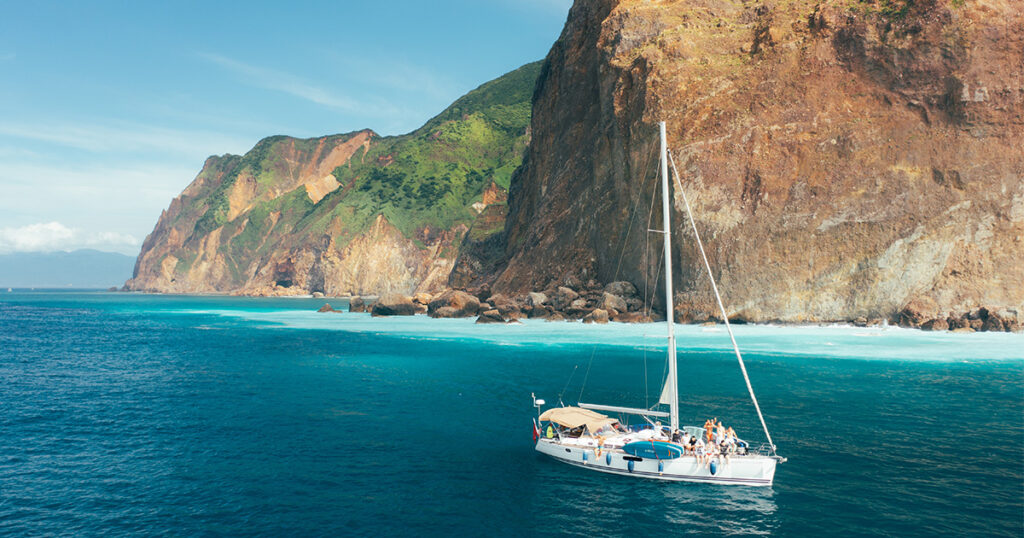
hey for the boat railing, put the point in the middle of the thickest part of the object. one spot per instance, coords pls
(762, 449)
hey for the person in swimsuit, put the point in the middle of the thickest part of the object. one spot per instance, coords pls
(710, 452)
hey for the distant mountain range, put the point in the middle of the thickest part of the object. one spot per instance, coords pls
(84, 268)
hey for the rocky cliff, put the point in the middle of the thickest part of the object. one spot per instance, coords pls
(844, 159)
(354, 213)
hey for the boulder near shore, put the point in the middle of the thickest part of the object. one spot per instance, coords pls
(620, 301)
(394, 304)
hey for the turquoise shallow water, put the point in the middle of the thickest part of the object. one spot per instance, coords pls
(135, 414)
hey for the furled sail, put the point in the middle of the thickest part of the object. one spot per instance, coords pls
(666, 394)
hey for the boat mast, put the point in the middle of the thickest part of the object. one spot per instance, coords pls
(721, 309)
(673, 382)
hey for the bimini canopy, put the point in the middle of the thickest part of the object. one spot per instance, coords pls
(574, 417)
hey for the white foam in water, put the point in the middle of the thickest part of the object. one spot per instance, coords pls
(832, 341)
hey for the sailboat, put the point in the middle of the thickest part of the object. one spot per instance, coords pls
(582, 436)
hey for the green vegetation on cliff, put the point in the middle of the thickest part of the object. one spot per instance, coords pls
(431, 176)
(246, 210)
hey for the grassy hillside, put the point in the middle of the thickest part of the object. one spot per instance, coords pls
(431, 176)
(423, 182)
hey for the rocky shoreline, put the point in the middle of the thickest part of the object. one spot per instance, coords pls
(621, 302)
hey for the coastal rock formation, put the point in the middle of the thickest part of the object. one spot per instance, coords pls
(394, 304)
(359, 304)
(454, 304)
(844, 160)
(490, 316)
(355, 213)
(596, 316)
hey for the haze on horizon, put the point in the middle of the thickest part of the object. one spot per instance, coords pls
(108, 110)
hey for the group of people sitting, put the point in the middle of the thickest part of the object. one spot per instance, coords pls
(718, 441)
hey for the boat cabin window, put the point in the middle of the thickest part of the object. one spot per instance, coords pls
(574, 432)
(695, 431)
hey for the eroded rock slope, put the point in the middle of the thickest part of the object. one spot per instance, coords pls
(844, 159)
(345, 214)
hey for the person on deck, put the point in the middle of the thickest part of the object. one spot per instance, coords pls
(684, 440)
(740, 445)
(728, 447)
(709, 428)
(551, 432)
(710, 452)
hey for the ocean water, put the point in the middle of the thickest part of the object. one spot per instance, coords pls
(135, 414)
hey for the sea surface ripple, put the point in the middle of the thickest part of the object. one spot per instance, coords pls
(136, 414)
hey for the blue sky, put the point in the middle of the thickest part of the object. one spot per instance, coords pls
(108, 109)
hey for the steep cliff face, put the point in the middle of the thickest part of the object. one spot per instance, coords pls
(843, 159)
(353, 213)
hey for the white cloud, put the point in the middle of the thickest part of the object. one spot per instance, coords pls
(123, 199)
(91, 185)
(46, 237)
(110, 239)
(52, 236)
(7, 56)
(395, 74)
(288, 83)
(125, 137)
(557, 6)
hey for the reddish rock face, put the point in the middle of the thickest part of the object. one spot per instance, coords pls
(842, 161)
(352, 213)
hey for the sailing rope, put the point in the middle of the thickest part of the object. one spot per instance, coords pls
(622, 252)
(566, 387)
(649, 300)
(587, 375)
(643, 183)
(647, 274)
(657, 266)
(721, 307)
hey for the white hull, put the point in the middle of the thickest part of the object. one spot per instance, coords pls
(581, 430)
(740, 470)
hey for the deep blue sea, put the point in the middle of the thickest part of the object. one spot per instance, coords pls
(139, 414)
